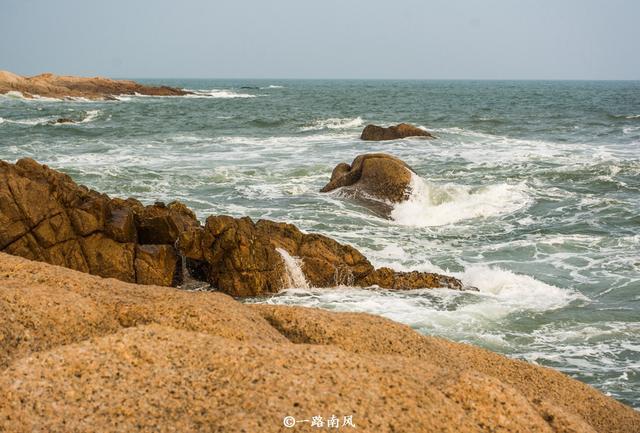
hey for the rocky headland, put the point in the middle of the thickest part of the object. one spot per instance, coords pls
(64, 87)
(79, 353)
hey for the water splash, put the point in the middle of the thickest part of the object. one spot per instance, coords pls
(294, 277)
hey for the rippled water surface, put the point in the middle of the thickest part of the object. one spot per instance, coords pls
(531, 193)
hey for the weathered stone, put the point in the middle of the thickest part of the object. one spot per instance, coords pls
(109, 258)
(403, 130)
(155, 264)
(160, 224)
(375, 179)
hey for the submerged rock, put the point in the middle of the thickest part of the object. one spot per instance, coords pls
(45, 216)
(376, 179)
(63, 120)
(402, 130)
(63, 86)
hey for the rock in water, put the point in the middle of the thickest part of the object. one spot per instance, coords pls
(376, 179)
(63, 120)
(403, 130)
(242, 259)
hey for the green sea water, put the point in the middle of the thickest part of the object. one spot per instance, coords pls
(530, 193)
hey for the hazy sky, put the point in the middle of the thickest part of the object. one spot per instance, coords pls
(484, 39)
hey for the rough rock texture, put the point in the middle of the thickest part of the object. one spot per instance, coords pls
(83, 354)
(242, 259)
(376, 179)
(403, 130)
(45, 216)
(62, 86)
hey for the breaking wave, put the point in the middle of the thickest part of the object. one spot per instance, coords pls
(333, 123)
(438, 205)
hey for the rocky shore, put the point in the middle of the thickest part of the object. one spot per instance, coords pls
(81, 353)
(65, 87)
(127, 352)
(46, 216)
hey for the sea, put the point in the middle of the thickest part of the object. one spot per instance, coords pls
(531, 193)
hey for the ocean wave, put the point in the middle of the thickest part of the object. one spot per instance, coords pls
(218, 93)
(273, 86)
(334, 123)
(28, 122)
(432, 205)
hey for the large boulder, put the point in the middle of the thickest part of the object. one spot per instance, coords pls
(376, 179)
(45, 216)
(403, 130)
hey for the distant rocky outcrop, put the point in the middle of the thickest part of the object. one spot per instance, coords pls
(47, 217)
(80, 353)
(64, 86)
(377, 179)
(402, 130)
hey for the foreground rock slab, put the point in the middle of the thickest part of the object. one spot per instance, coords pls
(402, 130)
(45, 216)
(84, 354)
(64, 87)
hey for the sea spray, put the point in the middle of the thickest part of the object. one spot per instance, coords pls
(437, 205)
(294, 276)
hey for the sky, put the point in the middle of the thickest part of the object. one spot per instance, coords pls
(399, 39)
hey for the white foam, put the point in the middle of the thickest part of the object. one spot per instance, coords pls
(273, 86)
(29, 122)
(219, 93)
(515, 291)
(437, 205)
(295, 278)
(334, 123)
(91, 116)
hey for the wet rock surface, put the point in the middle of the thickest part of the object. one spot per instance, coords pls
(402, 130)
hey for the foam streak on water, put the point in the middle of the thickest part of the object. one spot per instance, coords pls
(530, 192)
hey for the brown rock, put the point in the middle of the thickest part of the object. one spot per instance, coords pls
(242, 262)
(376, 179)
(156, 264)
(160, 224)
(242, 259)
(79, 353)
(403, 130)
(46, 216)
(62, 87)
